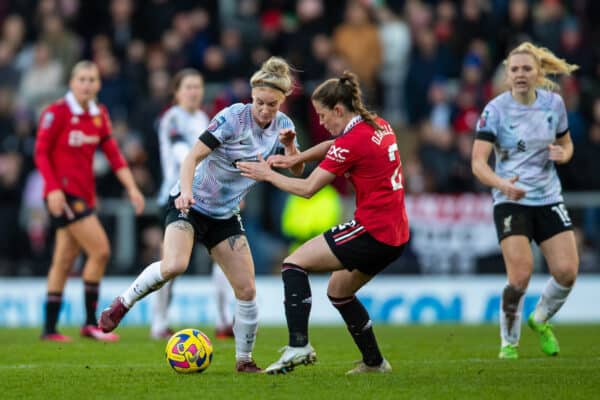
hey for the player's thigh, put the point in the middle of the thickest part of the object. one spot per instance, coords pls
(344, 283)
(560, 252)
(66, 249)
(315, 255)
(518, 259)
(90, 235)
(234, 256)
(177, 247)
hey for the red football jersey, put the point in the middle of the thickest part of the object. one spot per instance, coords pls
(370, 159)
(67, 138)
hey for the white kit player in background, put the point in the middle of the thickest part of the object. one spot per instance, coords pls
(179, 129)
(205, 205)
(528, 130)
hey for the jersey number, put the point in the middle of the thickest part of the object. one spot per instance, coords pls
(396, 178)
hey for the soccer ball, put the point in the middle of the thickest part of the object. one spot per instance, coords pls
(188, 351)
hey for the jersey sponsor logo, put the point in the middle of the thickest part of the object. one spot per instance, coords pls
(337, 153)
(78, 139)
(47, 120)
(215, 123)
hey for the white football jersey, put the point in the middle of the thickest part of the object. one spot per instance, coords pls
(177, 133)
(218, 186)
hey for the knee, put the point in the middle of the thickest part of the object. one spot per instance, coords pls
(171, 268)
(101, 255)
(566, 276)
(246, 292)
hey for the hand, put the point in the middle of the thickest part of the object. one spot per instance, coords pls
(286, 137)
(56, 202)
(510, 190)
(557, 153)
(282, 161)
(184, 202)
(258, 171)
(137, 200)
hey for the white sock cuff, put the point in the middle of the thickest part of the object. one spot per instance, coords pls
(558, 286)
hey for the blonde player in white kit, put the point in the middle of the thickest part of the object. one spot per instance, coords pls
(179, 129)
(528, 130)
(204, 206)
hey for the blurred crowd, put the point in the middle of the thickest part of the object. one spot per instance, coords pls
(428, 67)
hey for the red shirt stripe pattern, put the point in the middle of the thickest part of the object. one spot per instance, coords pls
(67, 139)
(370, 159)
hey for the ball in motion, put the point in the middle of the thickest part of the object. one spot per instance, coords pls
(189, 351)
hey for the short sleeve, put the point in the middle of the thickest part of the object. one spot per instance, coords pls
(222, 125)
(341, 156)
(487, 124)
(561, 111)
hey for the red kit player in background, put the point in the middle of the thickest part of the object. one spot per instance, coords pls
(68, 134)
(364, 151)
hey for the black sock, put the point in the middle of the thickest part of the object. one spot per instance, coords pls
(91, 302)
(298, 302)
(53, 303)
(359, 325)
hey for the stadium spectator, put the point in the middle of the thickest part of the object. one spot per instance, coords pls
(69, 132)
(366, 152)
(204, 206)
(528, 129)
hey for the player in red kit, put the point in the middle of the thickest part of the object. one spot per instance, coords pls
(364, 151)
(68, 134)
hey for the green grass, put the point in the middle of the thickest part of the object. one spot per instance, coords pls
(435, 362)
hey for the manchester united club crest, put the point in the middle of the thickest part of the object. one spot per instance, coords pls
(78, 206)
(97, 122)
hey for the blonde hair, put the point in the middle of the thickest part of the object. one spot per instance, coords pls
(547, 62)
(346, 91)
(84, 64)
(275, 74)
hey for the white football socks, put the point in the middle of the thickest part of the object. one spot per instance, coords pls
(552, 299)
(513, 335)
(147, 282)
(245, 325)
(160, 310)
(224, 297)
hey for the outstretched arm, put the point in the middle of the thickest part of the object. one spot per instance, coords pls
(315, 153)
(307, 187)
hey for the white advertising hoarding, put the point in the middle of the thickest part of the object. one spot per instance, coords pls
(389, 299)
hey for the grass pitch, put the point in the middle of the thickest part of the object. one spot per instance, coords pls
(430, 362)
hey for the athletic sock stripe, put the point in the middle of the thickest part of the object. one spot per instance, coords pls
(294, 267)
(350, 236)
(341, 301)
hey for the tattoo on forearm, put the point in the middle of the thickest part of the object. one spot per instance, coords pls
(237, 242)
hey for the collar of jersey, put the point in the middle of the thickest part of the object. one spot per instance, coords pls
(76, 108)
(353, 122)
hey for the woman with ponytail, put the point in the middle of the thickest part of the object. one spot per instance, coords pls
(204, 205)
(527, 128)
(365, 151)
